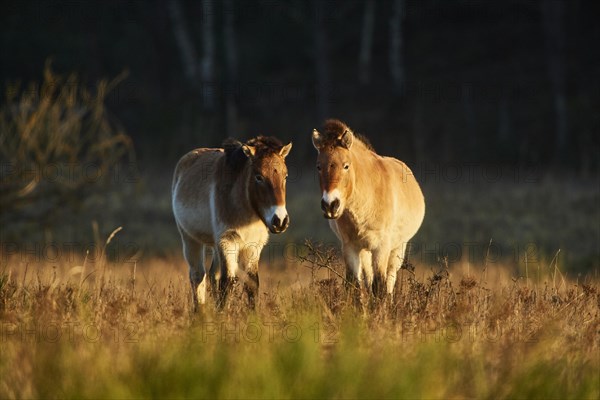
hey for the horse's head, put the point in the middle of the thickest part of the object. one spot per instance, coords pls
(336, 174)
(266, 186)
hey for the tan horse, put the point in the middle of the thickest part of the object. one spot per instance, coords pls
(374, 204)
(227, 200)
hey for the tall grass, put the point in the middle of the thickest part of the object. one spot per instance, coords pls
(126, 330)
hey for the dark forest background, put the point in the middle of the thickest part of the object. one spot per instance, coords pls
(495, 105)
(501, 82)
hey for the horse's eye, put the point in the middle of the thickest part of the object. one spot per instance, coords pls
(346, 166)
(318, 167)
(259, 178)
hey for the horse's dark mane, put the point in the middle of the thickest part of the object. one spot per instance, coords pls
(334, 128)
(265, 143)
(235, 156)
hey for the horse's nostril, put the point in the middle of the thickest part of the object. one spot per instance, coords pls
(280, 224)
(335, 205)
(324, 205)
(276, 222)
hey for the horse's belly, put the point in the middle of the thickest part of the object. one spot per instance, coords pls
(364, 236)
(195, 221)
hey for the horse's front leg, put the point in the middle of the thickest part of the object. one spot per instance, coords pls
(353, 261)
(249, 257)
(380, 267)
(228, 249)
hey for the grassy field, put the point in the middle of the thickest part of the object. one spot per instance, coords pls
(95, 328)
(504, 302)
(501, 300)
(537, 214)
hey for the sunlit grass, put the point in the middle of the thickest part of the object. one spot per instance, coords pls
(455, 333)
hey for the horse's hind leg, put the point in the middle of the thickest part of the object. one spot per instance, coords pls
(214, 270)
(191, 252)
(394, 264)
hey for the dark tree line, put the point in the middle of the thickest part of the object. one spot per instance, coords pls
(478, 81)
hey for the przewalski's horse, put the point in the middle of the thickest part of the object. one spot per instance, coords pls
(228, 199)
(374, 204)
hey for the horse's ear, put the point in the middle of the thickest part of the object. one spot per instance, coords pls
(316, 139)
(285, 150)
(347, 138)
(249, 151)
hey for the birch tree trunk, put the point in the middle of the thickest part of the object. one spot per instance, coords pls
(366, 43)
(397, 46)
(468, 103)
(189, 58)
(231, 67)
(504, 129)
(419, 134)
(321, 47)
(553, 17)
(208, 54)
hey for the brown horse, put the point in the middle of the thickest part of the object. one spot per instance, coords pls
(374, 204)
(227, 200)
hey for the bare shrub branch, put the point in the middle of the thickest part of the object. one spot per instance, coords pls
(58, 142)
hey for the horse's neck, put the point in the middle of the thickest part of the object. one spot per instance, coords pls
(361, 199)
(235, 186)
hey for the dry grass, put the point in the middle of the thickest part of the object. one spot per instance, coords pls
(102, 329)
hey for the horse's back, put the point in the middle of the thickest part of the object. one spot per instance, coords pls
(200, 160)
(192, 184)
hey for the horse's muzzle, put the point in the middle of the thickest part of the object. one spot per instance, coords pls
(330, 210)
(278, 225)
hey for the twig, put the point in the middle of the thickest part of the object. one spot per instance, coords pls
(526, 271)
(487, 254)
(327, 267)
(82, 277)
(133, 279)
(320, 262)
(555, 261)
